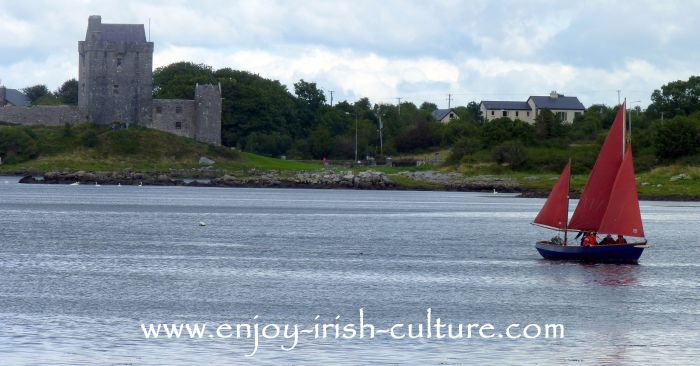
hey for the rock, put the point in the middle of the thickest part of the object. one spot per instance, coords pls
(27, 179)
(163, 178)
(679, 177)
(645, 183)
(204, 161)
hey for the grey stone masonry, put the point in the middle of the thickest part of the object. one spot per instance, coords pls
(207, 99)
(175, 116)
(115, 73)
(47, 115)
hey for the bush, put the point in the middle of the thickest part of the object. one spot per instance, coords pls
(511, 153)
(17, 144)
(676, 137)
(463, 146)
(90, 139)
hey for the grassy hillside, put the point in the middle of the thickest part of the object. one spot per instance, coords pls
(97, 147)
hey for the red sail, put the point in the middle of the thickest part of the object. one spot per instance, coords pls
(622, 216)
(596, 194)
(555, 211)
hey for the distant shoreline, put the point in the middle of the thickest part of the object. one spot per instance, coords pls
(367, 180)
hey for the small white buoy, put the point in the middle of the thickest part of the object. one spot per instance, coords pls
(494, 191)
(202, 223)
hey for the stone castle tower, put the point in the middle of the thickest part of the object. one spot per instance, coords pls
(116, 85)
(115, 73)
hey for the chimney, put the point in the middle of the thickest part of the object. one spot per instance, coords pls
(553, 94)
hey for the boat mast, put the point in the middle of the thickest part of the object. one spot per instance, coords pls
(624, 125)
(566, 223)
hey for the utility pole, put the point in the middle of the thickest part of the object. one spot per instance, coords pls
(331, 97)
(618, 96)
(381, 141)
(449, 100)
(399, 99)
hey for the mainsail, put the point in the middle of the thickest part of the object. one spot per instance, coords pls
(555, 211)
(622, 215)
(596, 194)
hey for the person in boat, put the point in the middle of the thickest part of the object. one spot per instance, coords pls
(590, 239)
(582, 235)
(620, 240)
(608, 240)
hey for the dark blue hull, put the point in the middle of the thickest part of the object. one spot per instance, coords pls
(616, 253)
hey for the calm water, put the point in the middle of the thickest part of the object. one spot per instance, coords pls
(82, 267)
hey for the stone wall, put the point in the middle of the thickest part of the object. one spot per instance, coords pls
(207, 99)
(175, 116)
(47, 115)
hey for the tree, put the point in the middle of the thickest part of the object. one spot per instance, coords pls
(547, 125)
(68, 92)
(676, 98)
(35, 92)
(177, 81)
(676, 137)
(428, 106)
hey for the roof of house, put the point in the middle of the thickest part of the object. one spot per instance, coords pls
(16, 97)
(561, 102)
(502, 104)
(439, 114)
(129, 33)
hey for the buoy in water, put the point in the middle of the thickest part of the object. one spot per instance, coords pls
(202, 223)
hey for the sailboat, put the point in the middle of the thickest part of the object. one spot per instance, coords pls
(609, 205)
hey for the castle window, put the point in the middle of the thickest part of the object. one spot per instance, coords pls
(116, 89)
(516, 113)
(528, 114)
(159, 109)
(178, 109)
(178, 125)
(505, 113)
(492, 113)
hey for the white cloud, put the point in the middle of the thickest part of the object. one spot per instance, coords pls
(411, 49)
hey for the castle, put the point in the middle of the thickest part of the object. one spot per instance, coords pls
(115, 84)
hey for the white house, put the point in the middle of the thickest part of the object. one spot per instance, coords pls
(565, 108)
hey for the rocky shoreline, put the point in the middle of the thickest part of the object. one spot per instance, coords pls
(330, 179)
(324, 179)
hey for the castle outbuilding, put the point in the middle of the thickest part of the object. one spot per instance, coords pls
(115, 84)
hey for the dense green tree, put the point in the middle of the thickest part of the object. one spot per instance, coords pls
(68, 92)
(177, 81)
(428, 106)
(547, 125)
(676, 98)
(35, 92)
(504, 129)
(676, 137)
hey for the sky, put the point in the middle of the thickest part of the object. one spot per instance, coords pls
(414, 50)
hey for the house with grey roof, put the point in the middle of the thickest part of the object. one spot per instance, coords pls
(444, 115)
(13, 97)
(565, 108)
